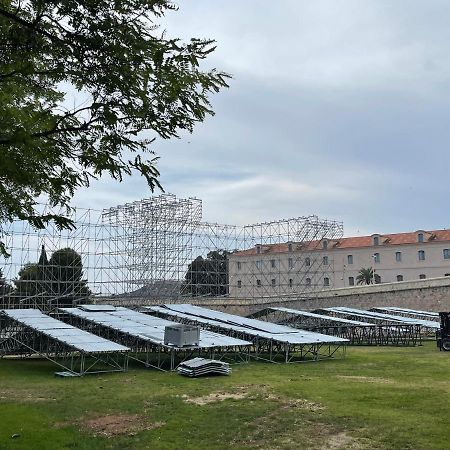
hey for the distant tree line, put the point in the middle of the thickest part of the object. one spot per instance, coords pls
(58, 279)
(208, 277)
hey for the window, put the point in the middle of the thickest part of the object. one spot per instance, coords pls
(326, 281)
(325, 260)
(290, 263)
(290, 247)
(422, 276)
(349, 259)
(258, 283)
(325, 245)
(398, 256)
(447, 275)
(399, 277)
(351, 281)
(239, 265)
(446, 253)
(421, 255)
(290, 282)
(273, 263)
(274, 282)
(420, 237)
(307, 261)
(376, 258)
(239, 284)
(376, 240)
(258, 264)
(308, 282)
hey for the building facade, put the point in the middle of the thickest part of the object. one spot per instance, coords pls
(291, 268)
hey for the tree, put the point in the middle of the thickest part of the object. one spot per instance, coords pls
(58, 279)
(208, 276)
(136, 84)
(366, 276)
(27, 282)
(5, 288)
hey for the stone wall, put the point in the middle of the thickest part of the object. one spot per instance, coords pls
(431, 295)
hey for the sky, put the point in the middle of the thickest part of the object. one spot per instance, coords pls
(336, 108)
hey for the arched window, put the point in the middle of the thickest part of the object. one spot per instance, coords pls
(351, 281)
(326, 281)
(325, 245)
(239, 284)
(349, 259)
(307, 261)
(421, 255)
(420, 237)
(376, 257)
(290, 282)
(325, 260)
(376, 240)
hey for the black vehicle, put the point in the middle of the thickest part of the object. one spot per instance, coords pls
(443, 335)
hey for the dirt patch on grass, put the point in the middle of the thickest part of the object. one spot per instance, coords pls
(113, 425)
(214, 397)
(366, 379)
(304, 404)
(249, 392)
(342, 441)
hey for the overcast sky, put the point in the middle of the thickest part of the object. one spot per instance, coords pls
(336, 108)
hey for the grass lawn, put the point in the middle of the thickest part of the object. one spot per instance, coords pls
(375, 398)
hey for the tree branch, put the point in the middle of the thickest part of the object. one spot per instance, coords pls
(29, 25)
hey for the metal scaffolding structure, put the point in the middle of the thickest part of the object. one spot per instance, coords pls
(144, 335)
(27, 332)
(424, 328)
(406, 312)
(159, 250)
(273, 343)
(358, 332)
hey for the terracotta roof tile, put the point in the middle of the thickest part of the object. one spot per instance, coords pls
(352, 242)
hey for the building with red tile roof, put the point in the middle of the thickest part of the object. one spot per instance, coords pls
(289, 267)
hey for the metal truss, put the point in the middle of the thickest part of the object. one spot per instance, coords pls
(270, 350)
(159, 250)
(161, 357)
(370, 334)
(19, 340)
(427, 332)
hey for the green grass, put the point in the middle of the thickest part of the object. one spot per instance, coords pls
(375, 398)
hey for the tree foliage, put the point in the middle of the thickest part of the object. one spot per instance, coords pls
(58, 279)
(5, 288)
(208, 276)
(135, 84)
(366, 276)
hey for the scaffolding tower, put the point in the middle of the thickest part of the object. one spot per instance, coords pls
(159, 250)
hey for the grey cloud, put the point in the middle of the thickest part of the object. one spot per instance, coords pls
(338, 108)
